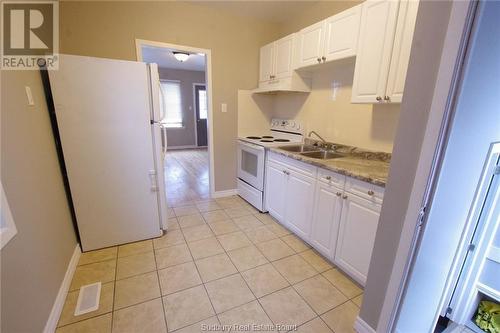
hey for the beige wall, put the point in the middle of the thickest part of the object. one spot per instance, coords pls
(34, 262)
(254, 112)
(185, 136)
(109, 29)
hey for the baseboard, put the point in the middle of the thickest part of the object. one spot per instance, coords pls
(51, 324)
(227, 193)
(361, 326)
(182, 147)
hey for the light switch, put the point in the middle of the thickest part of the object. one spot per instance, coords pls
(223, 107)
(29, 95)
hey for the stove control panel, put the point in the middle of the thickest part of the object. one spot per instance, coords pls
(286, 125)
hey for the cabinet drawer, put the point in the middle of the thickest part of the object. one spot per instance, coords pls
(330, 177)
(364, 190)
(301, 167)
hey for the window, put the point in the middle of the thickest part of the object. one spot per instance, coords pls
(172, 103)
(202, 99)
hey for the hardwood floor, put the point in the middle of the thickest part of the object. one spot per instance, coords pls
(186, 175)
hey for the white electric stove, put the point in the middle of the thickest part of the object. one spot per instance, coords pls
(252, 157)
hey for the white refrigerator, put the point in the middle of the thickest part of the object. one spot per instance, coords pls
(108, 114)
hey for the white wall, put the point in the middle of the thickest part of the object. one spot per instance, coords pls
(476, 125)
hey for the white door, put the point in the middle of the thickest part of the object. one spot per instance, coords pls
(275, 190)
(103, 110)
(358, 226)
(376, 37)
(311, 46)
(266, 62)
(283, 57)
(402, 47)
(299, 203)
(341, 34)
(326, 218)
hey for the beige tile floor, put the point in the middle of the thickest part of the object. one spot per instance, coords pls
(220, 263)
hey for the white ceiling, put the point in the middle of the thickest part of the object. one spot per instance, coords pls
(165, 59)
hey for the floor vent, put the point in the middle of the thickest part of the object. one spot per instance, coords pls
(88, 299)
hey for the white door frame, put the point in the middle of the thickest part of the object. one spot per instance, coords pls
(194, 111)
(454, 48)
(208, 78)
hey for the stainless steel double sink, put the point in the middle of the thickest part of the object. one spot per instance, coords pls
(313, 152)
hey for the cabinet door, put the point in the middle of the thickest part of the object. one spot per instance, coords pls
(407, 16)
(311, 46)
(275, 189)
(376, 37)
(358, 226)
(266, 62)
(326, 218)
(283, 58)
(341, 34)
(299, 203)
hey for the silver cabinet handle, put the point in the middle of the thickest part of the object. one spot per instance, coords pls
(328, 177)
(323, 58)
(286, 172)
(338, 194)
(344, 196)
(370, 192)
(378, 98)
(319, 59)
(387, 98)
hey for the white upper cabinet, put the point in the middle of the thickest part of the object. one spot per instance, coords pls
(407, 16)
(311, 41)
(341, 34)
(383, 53)
(283, 63)
(331, 39)
(378, 24)
(276, 59)
(266, 62)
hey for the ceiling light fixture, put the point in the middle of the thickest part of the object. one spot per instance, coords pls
(181, 56)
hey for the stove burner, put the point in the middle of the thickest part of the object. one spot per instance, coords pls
(266, 140)
(254, 137)
(281, 140)
(267, 137)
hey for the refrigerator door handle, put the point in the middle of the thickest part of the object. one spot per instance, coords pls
(163, 130)
(153, 180)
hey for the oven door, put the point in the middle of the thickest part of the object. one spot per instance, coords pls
(251, 164)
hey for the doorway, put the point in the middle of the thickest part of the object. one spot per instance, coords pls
(201, 114)
(185, 82)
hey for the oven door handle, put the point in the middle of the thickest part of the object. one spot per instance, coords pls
(251, 145)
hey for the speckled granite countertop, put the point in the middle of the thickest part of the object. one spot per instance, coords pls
(372, 167)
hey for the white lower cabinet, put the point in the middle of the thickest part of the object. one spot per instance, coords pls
(299, 203)
(326, 217)
(275, 187)
(357, 229)
(318, 207)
